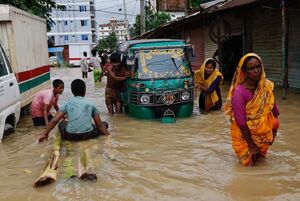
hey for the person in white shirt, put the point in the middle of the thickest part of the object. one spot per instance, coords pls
(84, 65)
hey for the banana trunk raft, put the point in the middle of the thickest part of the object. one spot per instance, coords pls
(85, 169)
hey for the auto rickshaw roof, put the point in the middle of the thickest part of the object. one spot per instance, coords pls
(139, 44)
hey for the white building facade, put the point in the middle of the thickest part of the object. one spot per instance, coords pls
(117, 26)
(74, 27)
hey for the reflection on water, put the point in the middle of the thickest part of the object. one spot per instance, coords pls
(147, 160)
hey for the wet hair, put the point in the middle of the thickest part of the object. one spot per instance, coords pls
(94, 52)
(57, 82)
(84, 54)
(78, 87)
(246, 61)
(212, 62)
(115, 57)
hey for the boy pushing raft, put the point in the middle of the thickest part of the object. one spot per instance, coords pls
(79, 112)
(79, 126)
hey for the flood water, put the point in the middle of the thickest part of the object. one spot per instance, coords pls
(190, 160)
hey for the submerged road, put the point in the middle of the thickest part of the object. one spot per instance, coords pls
(190, 160)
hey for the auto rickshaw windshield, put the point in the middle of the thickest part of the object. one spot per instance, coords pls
(162, 63)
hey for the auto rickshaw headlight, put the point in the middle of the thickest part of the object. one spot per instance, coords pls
(145, 99)
(185, 95)
(186, 84)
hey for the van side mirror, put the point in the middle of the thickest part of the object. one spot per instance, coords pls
(129, 62)
(191, 51)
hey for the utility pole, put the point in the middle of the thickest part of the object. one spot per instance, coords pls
(142, 15)
(284, 49)
(126, 21)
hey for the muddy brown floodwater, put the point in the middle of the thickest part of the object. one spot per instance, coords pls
(147, 160)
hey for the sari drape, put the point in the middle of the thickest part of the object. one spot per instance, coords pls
(259, 116)
(199, 77)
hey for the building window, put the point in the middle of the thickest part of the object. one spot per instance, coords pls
(84, 37)
(82, 8)
(51, 24)
(65, 23)
(83, 23)
(66, 38)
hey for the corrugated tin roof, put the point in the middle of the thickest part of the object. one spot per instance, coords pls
(205, 7)
(210, 4)
(235, 3)
(209, 7)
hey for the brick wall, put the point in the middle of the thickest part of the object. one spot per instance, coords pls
(172, 5)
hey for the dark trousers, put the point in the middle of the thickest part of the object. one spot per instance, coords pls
(84, 74)
(40, 121)
(217, 106)
(78, 136)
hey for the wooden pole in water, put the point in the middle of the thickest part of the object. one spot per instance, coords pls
(283, 49)
(142, 16)
(49, 174)
(85, 166)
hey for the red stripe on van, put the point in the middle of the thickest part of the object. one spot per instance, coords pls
(76, 59)
(26, 75)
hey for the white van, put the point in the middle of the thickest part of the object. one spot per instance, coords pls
(23, 37)
(10, 104)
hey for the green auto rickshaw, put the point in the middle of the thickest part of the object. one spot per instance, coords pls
(161, 81)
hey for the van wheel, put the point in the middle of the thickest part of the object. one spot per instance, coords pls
(10, 124)
(8, 128)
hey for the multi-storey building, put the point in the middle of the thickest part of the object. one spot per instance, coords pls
(117, 26)
(74, 28)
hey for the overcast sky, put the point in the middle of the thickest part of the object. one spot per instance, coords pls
(110, 8)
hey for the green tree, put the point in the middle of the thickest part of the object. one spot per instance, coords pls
(110, 42)
(153, 20)
(196, 3)
(40, 8)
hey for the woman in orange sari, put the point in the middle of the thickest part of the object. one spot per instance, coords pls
(252, 110)
(208, 79)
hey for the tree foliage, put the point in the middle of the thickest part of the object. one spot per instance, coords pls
(110, 42)
(196, 3)
(40, 8)
(152, 21)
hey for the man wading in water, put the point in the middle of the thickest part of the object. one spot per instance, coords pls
(116, 75)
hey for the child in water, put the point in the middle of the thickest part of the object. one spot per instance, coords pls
(79, 112)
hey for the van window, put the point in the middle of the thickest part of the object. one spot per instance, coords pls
(3, 69)
(162, 63)
(7, 63)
